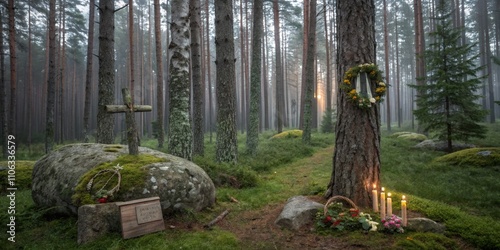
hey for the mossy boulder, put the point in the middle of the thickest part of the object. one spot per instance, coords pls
(473, 157)
(409, 136)
(61, 178)
(288, 134)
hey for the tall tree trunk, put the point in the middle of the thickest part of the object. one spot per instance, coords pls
(485, 32)
(62, 68)
(209, 72)
(180, 135)
(13, 68)
(105, 121)
(356, 160)
(304, 63)
(88, 76)
(198, 86)
(256, 78)
(159, 75)
(3, 95)
(310, 75)
(328, 66)
(128, 97)
(51, 84)
(226, 143)
(280, 100)
(386, 56)
(419, 46)
(30, 79)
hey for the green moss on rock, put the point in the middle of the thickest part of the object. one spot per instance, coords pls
(473, 157)
(132, 175)
(409, 136)
(288, 134)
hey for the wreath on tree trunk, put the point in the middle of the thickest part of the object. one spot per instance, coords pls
(358, 84)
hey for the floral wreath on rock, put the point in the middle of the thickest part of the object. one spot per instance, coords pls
(352, 87)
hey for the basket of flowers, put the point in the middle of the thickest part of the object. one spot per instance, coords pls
(337, 217)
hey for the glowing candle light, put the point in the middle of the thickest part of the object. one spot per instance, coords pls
(389, 204)
(404, 216)
(382, 204)
(375, 198)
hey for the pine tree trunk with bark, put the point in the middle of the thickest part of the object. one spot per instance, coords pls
(256, 78)
(356, 160)
(310, 74)
(159, 75)
(88, 76)
(280, 95)
(106, 86)
(13, 68)
(51, 83)
(180, 134)
(198, 86)
(3, 95)
(226, 142)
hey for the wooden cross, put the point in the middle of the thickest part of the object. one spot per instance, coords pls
(128, 108)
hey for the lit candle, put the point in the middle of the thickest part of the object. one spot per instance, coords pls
(382, 204)
(403, 211)
(375, 198)
(389, 204)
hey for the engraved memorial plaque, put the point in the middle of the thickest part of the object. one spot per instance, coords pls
(148, 213)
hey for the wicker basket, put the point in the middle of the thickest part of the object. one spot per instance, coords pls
(338, 198)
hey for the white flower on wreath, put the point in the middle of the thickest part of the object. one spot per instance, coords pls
(381, 84)
(372, 100)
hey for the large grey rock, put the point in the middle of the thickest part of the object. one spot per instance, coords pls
(298, 212)
(425, 225)
(442, 145)
(179, 183)
(96, 220)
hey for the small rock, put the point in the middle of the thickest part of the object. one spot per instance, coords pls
(298, 212)
(96, 220)
(484, 153)
(425, 225)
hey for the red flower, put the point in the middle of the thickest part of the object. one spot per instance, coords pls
(328, 219)
(336, 222)
(102, 200)
(354, 212)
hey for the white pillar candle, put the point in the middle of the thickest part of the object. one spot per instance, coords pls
(382, 204)
(375, 198)
(404, 216)
(389, 204)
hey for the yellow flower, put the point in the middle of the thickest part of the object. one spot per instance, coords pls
(377, 98)
(352, 92)
(347, 81)
(354, 97)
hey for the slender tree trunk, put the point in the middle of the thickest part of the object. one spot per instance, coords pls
(13, 69)
(3, 95)
(159, 75)
(328, 65)
(180, 136)
(62, 73)
(198, 86)
(30, 79)
(49, 121)
(386, 56)
(356, 159)
(279, 70)
(256, 78)
(88, 76)
(310, 75)
(226, 143)
(419, 46)
(209, 72)
(105, 121)
(304, 63)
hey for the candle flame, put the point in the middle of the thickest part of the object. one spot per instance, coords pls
(374, 186)
(383, 189)
(389, 194)
(404, 197)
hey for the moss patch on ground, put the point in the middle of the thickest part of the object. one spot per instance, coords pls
(132, 175)
(473, 157)
(23, 172)
(288, 134)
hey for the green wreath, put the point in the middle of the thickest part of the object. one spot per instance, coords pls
(374, 75)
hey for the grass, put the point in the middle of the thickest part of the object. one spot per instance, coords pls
(466, 199)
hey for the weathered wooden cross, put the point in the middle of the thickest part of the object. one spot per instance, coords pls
(128, 108)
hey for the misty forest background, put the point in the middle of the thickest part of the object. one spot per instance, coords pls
(24, 83)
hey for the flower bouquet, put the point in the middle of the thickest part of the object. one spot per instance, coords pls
(392, 224)
(339, 218)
